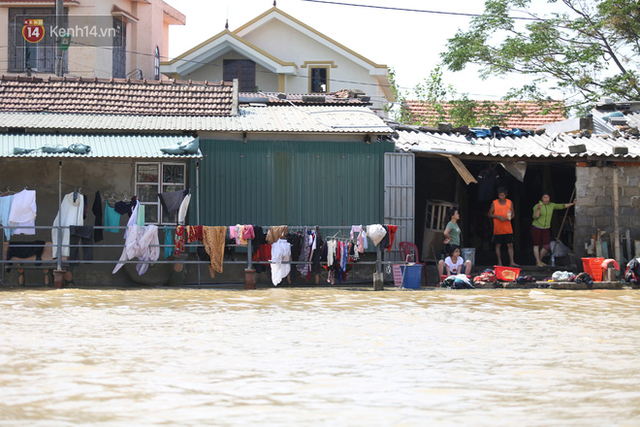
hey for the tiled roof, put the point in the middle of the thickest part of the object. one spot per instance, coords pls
(115, 96)
(279, 119)
(518, 114)
(43, 2)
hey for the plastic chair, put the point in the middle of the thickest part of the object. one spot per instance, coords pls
(410, 250)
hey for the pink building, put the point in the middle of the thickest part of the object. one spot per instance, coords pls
(118, 38)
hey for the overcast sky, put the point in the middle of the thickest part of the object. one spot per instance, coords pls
(409, 42)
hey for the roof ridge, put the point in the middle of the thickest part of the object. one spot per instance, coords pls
(112, 80)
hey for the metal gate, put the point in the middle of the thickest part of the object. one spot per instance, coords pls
(399, 198)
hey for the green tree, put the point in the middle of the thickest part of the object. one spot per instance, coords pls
(588, 50)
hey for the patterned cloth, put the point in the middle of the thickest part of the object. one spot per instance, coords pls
(180, 239)
(194, 233)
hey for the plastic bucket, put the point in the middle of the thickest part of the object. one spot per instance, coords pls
(411, 275)
(506, 274)
(468, 254)
(593, 267)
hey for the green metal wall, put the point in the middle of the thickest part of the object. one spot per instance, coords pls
(291, 182)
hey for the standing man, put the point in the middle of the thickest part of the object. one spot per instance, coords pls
(502, 213)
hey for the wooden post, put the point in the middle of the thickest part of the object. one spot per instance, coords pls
(378, 276)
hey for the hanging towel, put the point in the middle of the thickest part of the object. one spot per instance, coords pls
(96, 208)
(23, 212)
(5, 209)
(213, 239)
(141, 215)
(180, 239)
(71, 213)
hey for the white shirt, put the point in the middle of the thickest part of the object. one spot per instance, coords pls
(454, 268)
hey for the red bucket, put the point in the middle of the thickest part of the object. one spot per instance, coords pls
(506, 274)
(593, 267)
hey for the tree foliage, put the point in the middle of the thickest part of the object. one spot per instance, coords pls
(590, 49)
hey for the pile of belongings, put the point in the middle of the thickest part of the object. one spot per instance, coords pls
(459, 281)
(486, 278)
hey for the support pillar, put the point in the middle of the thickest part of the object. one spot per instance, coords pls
(58, 278)
(249, 278)
(378, 281)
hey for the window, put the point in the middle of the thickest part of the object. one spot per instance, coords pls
(319, 79)
(155, 178)
(242, 69)
(156, 64)
(119, 60)
(25, 56)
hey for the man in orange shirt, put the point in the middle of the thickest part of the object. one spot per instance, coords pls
(502, 213)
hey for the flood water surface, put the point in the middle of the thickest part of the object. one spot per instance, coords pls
(319, 357)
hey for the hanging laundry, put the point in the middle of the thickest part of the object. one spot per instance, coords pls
(213, 239)
(280, 257)
(193, 233)
(81, 237)
(180, 239)
(123, 207)
(247, 232)
(111, 219)
(171, 200)
(140, 219)
(376, 233)
(23, 212)
(168, 242)
(133, 220)
(141, 243)
(387, 240)
(71, 213)
(184, 207)
(96, 208)
(5, 210)
(277, 232)
(317, 254)
(24, 250)
(305, 252)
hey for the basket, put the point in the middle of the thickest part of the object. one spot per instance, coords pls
(593, 267)
(506, 274)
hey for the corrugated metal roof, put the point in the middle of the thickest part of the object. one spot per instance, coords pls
(528, 146)
(314, 119)
(130, 146)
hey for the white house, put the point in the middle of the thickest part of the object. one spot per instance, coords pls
(277, 53)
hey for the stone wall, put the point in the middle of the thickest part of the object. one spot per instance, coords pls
(595, 208)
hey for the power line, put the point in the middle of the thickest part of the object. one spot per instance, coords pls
(401, 9)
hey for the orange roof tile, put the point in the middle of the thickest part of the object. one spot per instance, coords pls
(114, 96)
(515, 114)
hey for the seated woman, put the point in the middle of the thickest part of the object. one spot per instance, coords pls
(453, 264)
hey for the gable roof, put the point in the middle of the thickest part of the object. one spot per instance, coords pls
(517, 114)
(275, 13)
(115, 96)
(220, 44)
(234, 40)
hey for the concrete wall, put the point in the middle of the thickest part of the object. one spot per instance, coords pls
(595, 208)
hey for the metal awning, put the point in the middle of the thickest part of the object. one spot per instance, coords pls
(101, 146)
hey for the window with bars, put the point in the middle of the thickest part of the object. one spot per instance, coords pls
(242, 69)
(36, 57)
(119, 57)
(155, 178)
